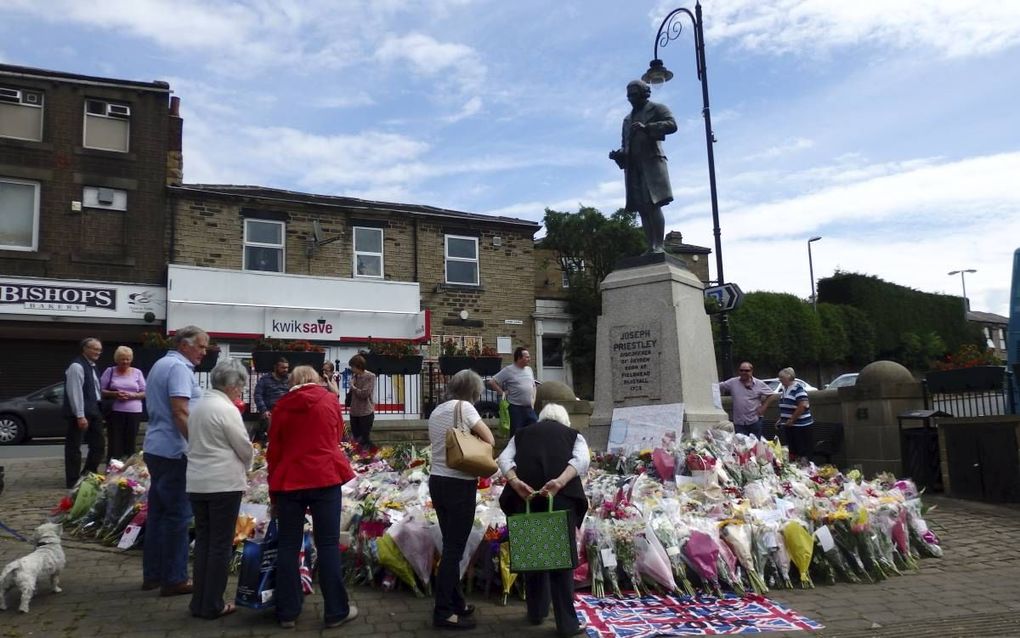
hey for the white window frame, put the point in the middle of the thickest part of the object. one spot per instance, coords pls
(122, 112)
(565, 272)
(366, 253)
(35, 216)
(17, 96)
(447, 259)
(282, 246)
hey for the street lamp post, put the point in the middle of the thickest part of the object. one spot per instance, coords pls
(814, 297)
(963, 282)
(811, 272)
(657, 73)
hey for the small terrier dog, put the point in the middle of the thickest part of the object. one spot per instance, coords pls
(46, 561)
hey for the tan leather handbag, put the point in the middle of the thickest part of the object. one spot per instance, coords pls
(467, 453)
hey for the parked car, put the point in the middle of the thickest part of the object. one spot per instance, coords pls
(843, 381)
(34, 415)
(777, 387)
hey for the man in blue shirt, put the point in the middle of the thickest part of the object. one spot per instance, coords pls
(171, 391)
(268, 391)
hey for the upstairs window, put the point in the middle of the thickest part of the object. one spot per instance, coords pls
(368, 252)
(462, 260)
(21, 114)
(107, 125)
(263, 245)
(19, 214)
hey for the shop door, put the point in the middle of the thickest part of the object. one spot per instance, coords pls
(552, 359)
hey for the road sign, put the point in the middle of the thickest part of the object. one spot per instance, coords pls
(723, 298)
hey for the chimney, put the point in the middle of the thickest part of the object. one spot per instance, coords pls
(175, 144)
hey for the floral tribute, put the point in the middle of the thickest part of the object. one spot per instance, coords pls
(725, 513)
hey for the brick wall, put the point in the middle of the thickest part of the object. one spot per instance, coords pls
(94, 244)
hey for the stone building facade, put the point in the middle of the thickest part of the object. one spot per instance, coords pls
(472, 271)
(83, 167)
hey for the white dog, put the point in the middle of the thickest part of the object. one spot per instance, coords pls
(46, 561)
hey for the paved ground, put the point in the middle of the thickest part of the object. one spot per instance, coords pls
(973, 591)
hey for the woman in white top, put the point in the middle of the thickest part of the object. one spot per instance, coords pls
(219, 456)
(453, 495)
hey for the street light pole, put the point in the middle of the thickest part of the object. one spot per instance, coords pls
(657, 73)
(963, 282)
(814, 298)
(811, 271)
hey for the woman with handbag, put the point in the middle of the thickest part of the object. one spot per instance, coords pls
(542, 461)
(306, 467)
(124, 387)
(454, 493)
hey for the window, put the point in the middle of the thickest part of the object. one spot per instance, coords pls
(552, 352)
(107, 125)
(462, 260)
(21, 114)
(368, 252)
(104, 198)
(263, 245)
(19, 214)
(568, 266)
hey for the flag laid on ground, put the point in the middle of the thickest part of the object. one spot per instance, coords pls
(672, 615)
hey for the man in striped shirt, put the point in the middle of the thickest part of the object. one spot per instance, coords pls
(795, 415)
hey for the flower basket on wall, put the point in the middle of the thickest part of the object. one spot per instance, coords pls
(388, 364)
(297, 353)
(485, 366)
(145, 358)
(208, 362)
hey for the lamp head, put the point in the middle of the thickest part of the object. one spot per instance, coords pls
(815, 238)
(657, 73)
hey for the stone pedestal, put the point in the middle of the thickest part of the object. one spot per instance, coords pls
(654, 346)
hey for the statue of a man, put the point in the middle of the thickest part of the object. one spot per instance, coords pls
(643, 163)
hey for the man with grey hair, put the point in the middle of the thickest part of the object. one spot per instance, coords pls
(81, 409)
(172, 389)
(643, 162)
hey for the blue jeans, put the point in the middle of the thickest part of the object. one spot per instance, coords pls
(751, 428)
(520, 416)
(324, 503)
(454, 500)
(165, 552)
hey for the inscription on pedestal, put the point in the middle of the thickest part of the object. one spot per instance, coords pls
(636, 361)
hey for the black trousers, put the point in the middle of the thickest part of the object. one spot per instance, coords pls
(215, 518)
(557, 587)
(454, 500)
(361, 429)
(93, 436)
(121, 434)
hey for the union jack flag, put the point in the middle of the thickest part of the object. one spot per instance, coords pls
(673, 615)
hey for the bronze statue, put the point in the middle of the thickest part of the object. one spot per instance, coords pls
(643, 162)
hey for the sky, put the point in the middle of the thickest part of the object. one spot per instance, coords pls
(887, 127)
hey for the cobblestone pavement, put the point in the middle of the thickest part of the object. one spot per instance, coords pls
(973, 591)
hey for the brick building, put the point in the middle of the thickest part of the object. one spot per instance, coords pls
(243, 256)
(84, 162)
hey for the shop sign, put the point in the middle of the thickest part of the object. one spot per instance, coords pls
(81, 299)
(298, 324)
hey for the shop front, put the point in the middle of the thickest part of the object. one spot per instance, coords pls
(42, 322)
(243, 310)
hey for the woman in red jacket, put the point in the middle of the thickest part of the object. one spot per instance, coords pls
(306, 469)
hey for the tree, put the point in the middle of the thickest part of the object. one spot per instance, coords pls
(588, 244)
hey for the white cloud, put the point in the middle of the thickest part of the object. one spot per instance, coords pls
(785, 148)
(431, 57)
(347, 101)
(952, 29)
(472, 107)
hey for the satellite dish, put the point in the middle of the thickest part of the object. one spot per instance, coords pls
(317, 232)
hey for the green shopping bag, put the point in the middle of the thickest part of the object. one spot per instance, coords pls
(504, 416)
(541, 541)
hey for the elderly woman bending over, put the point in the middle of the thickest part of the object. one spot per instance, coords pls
(219, 456)
(453, 495)
(542, 461)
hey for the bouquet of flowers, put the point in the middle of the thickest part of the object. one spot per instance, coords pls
(702, 553)
(738, 537)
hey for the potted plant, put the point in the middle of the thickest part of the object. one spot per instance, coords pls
(398, 356)
(969, 369)
(485, 361)
(298, 353)
(156, 344)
